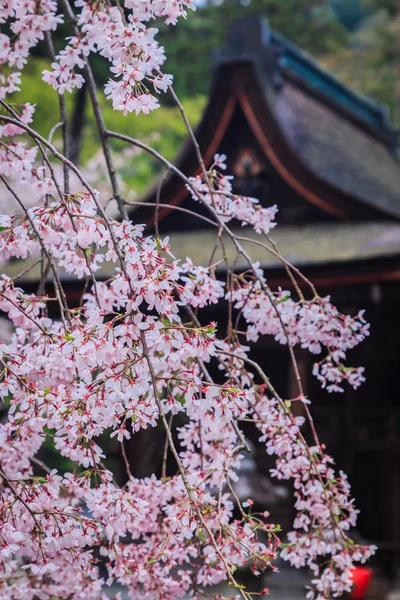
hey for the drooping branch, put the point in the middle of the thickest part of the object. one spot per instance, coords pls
(101, 127)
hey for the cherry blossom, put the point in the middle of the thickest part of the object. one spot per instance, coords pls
(216, 192)
(135, 353)
(97, 371)
(28, 21)
(127, 43)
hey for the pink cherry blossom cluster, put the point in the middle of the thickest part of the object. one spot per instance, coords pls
(202, 285)
(89, 375)
(18, 162)
(216, 192)
(314, 325)
(28, 21)
(130, 47)
(170, 10)
(111, 366)
(325, 510)
(133, 354)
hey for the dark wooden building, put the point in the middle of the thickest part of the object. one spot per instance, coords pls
(298, 138)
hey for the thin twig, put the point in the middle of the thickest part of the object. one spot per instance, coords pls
(178, 208)
(58, 287)
(126, 461)
(183, 473)
(165, 456)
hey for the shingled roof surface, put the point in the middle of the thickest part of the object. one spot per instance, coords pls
(338, 150)
(294, 61)
(340, 136)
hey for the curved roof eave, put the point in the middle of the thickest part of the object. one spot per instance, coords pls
(244, 82)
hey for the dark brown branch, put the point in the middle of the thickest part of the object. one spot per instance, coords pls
(91, 86)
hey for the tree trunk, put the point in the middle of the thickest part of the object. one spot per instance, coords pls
(77, 124)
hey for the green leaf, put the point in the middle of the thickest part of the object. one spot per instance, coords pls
(201, 535)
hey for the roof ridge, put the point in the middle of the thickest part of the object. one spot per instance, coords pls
(280, 41)
(251, 38)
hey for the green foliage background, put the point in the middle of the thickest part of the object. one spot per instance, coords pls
(164, 130)
(355, 39)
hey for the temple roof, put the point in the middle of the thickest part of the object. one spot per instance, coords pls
(293, 60)
(251, 37)
(331, 146)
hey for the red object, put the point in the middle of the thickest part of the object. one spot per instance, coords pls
(361, 578)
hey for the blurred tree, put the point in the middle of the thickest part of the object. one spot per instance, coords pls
(349, 13)
(390, 6)
(309, 23)
(371, 59)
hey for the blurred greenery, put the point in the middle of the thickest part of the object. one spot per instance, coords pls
(370, 61)
(355, 39)
(164, 130)
(312, 24)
